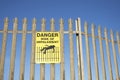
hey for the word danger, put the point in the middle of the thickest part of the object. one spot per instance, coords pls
(47, 34)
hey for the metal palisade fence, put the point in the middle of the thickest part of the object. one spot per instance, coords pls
(81, 37)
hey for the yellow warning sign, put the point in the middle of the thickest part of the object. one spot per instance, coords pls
(47, 47)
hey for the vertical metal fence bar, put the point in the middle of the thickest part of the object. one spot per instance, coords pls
(72, 72)
(108, 54)
(87, 51)
(80, 52)
(52, 66)
(23, 51)
(81, 49)
(114, 55)
(42, 66)
(33, 50)
(101, 53)
(4, 42)
(62, 70)
(118, 41)
(94, 51)
(13, 52)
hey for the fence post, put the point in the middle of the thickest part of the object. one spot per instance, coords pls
(101, 53)
(4, 42)
(52, 66)
(62, 73)
(72, 74)
(42, 66)
(94, 51)
(13, 52)
(79, 50)
(114, 55)
(78, 53)
(23, 51)
(108, 54)
(118, 41)
(33, 50)
(87, 51)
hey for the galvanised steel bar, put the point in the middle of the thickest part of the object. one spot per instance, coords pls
(29, 32)
(42, 66)
(108, 54)
(87, 51)
(81, 49)
(114, 55)
(78, 53)
(118, 41)
(32, 61)
(62, 69)
(52, 66)
(23, 51)
(101, 53)
(94, 51)
(13, 52)
(72, 72)
(4, 42)
(65, 32)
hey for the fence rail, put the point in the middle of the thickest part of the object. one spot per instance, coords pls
(80, 50)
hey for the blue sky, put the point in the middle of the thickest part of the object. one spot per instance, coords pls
(104, 13)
